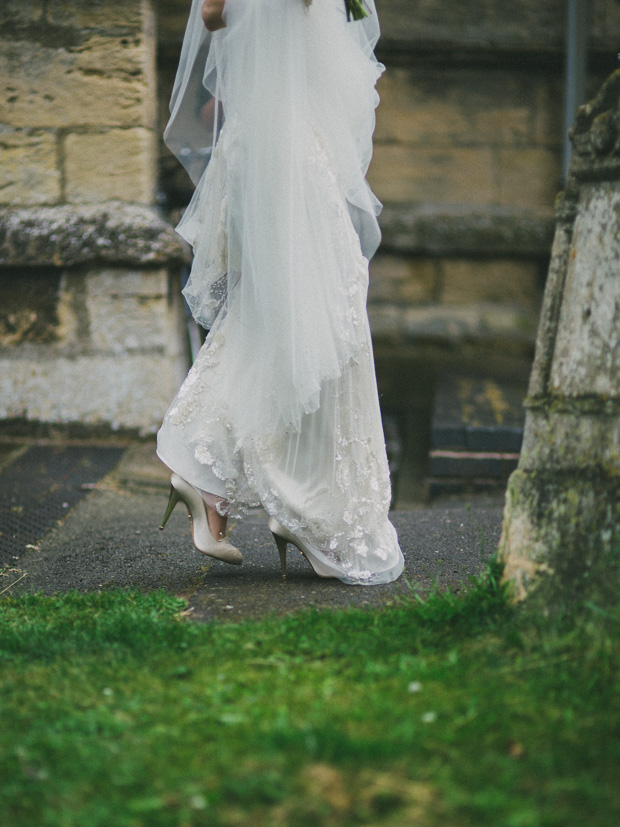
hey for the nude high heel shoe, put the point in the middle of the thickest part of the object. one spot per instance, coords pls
(283, 537)
(204, 541)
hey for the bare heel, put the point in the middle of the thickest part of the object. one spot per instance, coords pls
(281, 543)
(172, 501)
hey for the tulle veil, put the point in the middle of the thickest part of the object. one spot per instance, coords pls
(291, 83)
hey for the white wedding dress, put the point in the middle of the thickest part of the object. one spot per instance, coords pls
(280, 409)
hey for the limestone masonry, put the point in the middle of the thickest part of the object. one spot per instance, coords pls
(467, 161)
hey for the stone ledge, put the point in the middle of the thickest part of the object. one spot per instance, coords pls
(527, 24)
(425, 229)
(68, 235)
(456, 325)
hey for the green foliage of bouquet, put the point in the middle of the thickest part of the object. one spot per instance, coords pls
(355, 9)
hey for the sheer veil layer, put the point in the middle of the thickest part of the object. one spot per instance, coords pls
(281, 405)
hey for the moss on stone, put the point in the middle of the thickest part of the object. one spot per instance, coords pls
(561, 537)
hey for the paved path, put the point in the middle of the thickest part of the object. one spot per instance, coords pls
(110, 539)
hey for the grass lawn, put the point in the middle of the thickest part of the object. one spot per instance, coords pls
(117, 710)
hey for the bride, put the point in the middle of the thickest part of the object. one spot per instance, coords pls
(280, 409)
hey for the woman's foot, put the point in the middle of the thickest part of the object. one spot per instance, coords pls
(283, 536)
(217, 523)
(204, 540)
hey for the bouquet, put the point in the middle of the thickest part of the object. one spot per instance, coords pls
(354, 8)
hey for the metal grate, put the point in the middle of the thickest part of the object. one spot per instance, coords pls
(39, 488)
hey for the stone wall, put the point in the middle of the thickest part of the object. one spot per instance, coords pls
(467, 161)
(78, 113)
(90, 322)
(468, 158)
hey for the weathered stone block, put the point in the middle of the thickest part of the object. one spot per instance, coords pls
(102, 13)
(395, 279)
(402, 174)
(464, 230)
(29, 170)
(171, 21)
(552, 300)
(561, 538)
(548, 112)
(70, 235)
(466, 107)
(527, 25)
(115, 165)
(52, 14)
(527, 177)
(28, 306)
(412, 113)
(106, 348)
(511, 282)
(572, 438)
(128, 310)
(456, 325)
(132, 392)
(587, 356)
(120, 282)
(102, 80)
(20, 12)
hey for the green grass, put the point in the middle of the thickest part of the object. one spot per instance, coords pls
(116, 710)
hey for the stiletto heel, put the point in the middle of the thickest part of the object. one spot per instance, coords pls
(281, 543)
(173, 499)
(283, 536)
(204, 541)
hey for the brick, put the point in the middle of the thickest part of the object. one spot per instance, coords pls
(115, 165)
(510, 282)
(402, 174)
(104, 81)
(527, 177)
(29, 173)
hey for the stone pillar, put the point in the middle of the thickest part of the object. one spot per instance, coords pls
(561, 533)
(90, 326)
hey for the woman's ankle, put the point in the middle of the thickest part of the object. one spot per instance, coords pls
(217, 523)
